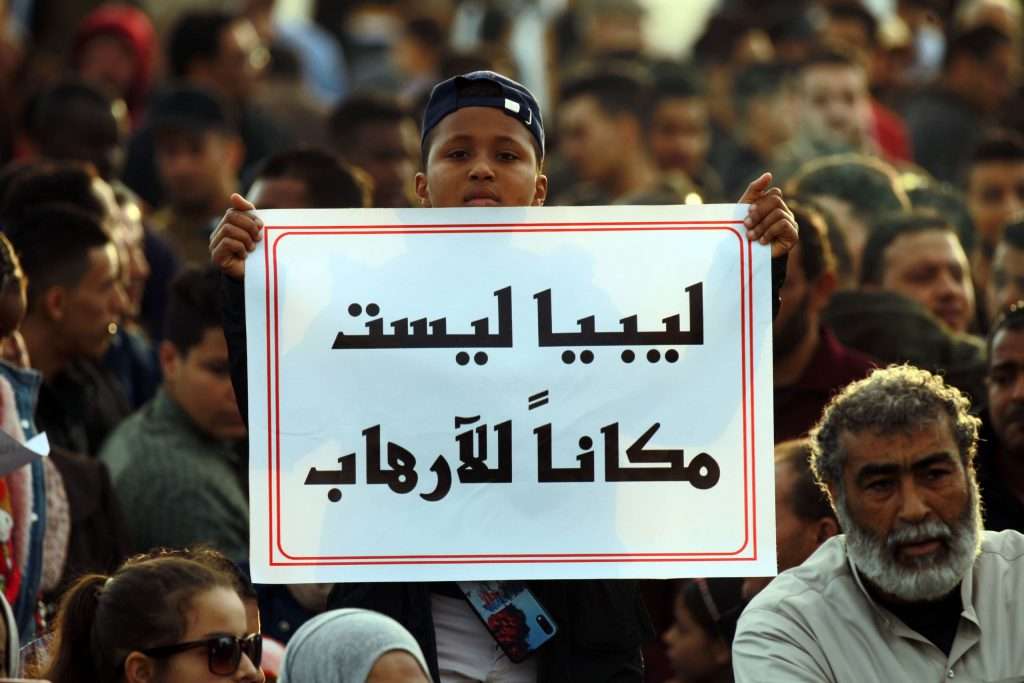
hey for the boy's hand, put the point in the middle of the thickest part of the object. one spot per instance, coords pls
(769, 220)
(236, 235)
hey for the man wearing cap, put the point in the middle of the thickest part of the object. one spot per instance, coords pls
(483, 145)
(198, 155)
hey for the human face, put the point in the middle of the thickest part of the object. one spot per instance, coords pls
(279, 193)
(994, 79)
(909, 508)
(108, 61)
(241, 60)
(200, 382)
(995, 195)
(215, 612)
(793, 322)
(1006, 285)
(796, 538)
(89, 312)
(481, 157)
(591, 140)
(388, 151)
(679, 135)
(194, 167)
(1005, 389)
(835, 103)
(397, 666)
(694, 654)
(931, 268)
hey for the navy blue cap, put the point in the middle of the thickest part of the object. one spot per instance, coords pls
(513, 99)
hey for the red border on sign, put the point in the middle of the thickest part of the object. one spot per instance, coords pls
(273, 397)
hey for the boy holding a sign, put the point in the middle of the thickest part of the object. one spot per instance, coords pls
(483, 145)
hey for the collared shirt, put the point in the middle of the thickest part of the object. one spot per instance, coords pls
(817, 622)
(177, 485)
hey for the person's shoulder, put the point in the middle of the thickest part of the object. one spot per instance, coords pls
(1005, 546)
(807, 586)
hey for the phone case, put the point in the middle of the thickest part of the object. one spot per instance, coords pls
(512, 614)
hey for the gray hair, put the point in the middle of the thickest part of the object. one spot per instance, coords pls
(899, 398)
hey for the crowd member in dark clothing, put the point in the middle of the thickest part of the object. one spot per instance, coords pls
(1000, 458)
(73, 303)
(945, 123)
(479, 147)
(810, 363)
(680, 132)
(221, 53)
(381, 137)
(1006, 281)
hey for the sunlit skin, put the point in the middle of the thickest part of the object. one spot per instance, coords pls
(200, 382)
(1006, 283)
(88, 314)
(212, 613)
(903, 479)
(931, 268)
(995, 196)
(835, 104)
(480, 156)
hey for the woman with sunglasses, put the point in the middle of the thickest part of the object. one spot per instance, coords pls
(163, 620)
(699, 641)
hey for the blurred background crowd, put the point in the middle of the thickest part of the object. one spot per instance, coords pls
(896, 128)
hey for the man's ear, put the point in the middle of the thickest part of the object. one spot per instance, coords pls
(53, 303)
(540, 192)
(421, 190)
(138, 668)
(825, 528)
(169, 359)
(822, 289)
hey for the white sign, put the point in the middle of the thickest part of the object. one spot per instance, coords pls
(532, 393)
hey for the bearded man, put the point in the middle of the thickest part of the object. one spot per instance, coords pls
(913, 590)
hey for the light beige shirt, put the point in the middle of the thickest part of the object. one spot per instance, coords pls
(816, 622)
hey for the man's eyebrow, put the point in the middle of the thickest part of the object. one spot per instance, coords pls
(875, 470)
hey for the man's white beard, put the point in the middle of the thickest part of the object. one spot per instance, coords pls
(929, 577)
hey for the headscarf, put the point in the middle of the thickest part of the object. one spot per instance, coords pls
(341, 646)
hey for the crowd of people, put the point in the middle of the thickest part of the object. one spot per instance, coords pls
(881, 149)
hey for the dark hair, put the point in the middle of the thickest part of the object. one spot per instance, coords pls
(722, 34)
(62, 182)
(869, 185)
(103, 619)
(836, 240)
(816, 256)
(208, 557)
(71, 121)
(1013, 235)
(977, 43)
(53, 243)
(618, 87)
(886, 231)
(716, 605)
(807, 500)
(945, 200)
(1010, 318)
(760, 79)
(193, 307)
(829, 55)
(359, 110)
(427, 32)
(196, 36)
(853, 10)
(675, 81)
(996, 145)
(328, 182)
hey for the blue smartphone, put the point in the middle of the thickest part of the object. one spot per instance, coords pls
(512, 614)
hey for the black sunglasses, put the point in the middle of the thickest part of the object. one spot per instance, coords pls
(223, 652)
